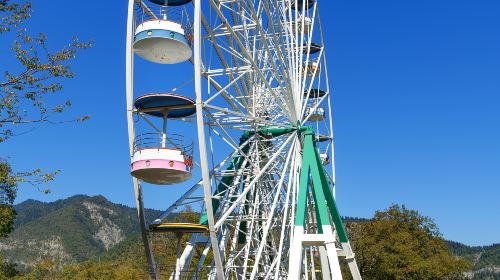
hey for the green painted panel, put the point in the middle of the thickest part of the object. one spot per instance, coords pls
(334, 212)
(234, 165)
(300, 214)
(319, 195)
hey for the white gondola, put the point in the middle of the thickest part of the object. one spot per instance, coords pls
(311, 48)
(321, 138)
(312, 69)
(159, 163)
(325, 159)
(161, 158)
(162, 41)
(302, 22)
(317, 114)
(315, 93)
(301, 5)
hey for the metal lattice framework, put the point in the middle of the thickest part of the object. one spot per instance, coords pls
(263, 100)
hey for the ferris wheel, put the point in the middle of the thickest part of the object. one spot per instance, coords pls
(261, 108)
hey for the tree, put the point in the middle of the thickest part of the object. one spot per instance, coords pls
(399, 243)
(7, 196)
(28, 94)
(94, 269)
(28, 97)
(7, 270)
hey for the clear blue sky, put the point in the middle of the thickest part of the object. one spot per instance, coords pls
(416, 97)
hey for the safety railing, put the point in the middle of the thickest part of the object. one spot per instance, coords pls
(164, 140)
(177, 14)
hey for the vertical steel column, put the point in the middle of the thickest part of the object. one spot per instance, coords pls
(201, 139)
(129, 59)
(325, 266)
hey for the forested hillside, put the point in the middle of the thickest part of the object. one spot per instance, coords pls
(84, 237)
(68, 231)
(485, 260)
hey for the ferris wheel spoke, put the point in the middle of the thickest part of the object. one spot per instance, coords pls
(285, 219)
(228, 94)
(220, 55)
(218, 87)
(248, 57)
(230, 43)
(253, 182)
(146, 8)
(245, 117)
(285, 92)
(224, 89)
(233, 144)
(277, 29)
(271, 213)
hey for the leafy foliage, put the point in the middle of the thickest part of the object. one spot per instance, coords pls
(13, 14)
(27, 96)
(7, 270)
(87, 270)
(24, 93)
(399, 243)
(8, 190)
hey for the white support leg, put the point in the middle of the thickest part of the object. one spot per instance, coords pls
(325, 266)
(331, 250)
(333, 260)
(328, 253)
(177, 263)
(186, 258)
(351, 261)
(296, 254)
(198, 271)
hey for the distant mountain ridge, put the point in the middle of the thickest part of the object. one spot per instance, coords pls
(69, 230)
(485, 260)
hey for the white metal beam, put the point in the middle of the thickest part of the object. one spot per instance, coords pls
(201, 139)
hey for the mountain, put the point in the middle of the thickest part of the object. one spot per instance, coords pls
(485, 260)
(69, 230)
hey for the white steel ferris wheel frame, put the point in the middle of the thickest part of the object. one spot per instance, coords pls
(278, 173)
